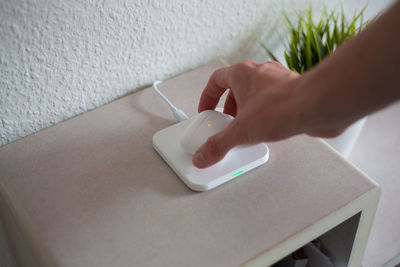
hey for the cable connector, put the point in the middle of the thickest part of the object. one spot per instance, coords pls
(178, 113)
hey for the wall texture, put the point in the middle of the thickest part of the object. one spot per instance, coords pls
(61, 58)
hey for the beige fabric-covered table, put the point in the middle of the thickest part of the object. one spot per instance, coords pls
(92, 191)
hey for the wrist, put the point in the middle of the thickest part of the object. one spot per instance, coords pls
(325, 110)
(315, 107)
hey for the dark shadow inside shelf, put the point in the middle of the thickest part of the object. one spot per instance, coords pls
(333, 248)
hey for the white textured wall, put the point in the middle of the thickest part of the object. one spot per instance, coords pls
(61, 58)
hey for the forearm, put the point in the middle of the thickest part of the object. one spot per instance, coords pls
(362, 76)
(272, 103)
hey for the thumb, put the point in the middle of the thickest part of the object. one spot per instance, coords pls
(216, 147)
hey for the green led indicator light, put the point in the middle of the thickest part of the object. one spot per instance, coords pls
(236, 174)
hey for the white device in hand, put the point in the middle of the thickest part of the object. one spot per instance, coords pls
(177, 144)
(204, 125)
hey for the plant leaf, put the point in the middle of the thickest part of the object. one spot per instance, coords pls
(308, 51)
(309, 42)
(269, 52)
(318, 46)
(289, 61)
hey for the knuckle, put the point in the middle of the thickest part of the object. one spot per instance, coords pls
(260, 71)
(218, 72)
(274, 63)
(248, 64)
(271, 65)
(215, 74)
(242, 71)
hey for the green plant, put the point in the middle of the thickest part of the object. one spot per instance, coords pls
(309, 42)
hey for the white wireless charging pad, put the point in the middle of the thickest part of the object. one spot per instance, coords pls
(238, 161)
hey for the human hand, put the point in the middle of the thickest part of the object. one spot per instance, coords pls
(261, 100)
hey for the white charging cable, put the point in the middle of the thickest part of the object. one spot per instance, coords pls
(178, 113)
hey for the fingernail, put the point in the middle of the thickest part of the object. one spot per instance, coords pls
(199, 160)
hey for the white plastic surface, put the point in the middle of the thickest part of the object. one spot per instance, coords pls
(238, 161)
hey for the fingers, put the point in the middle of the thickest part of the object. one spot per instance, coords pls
(221, 80)
(326, 133)
(230, 104)
(216, 147)
(216, 86)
